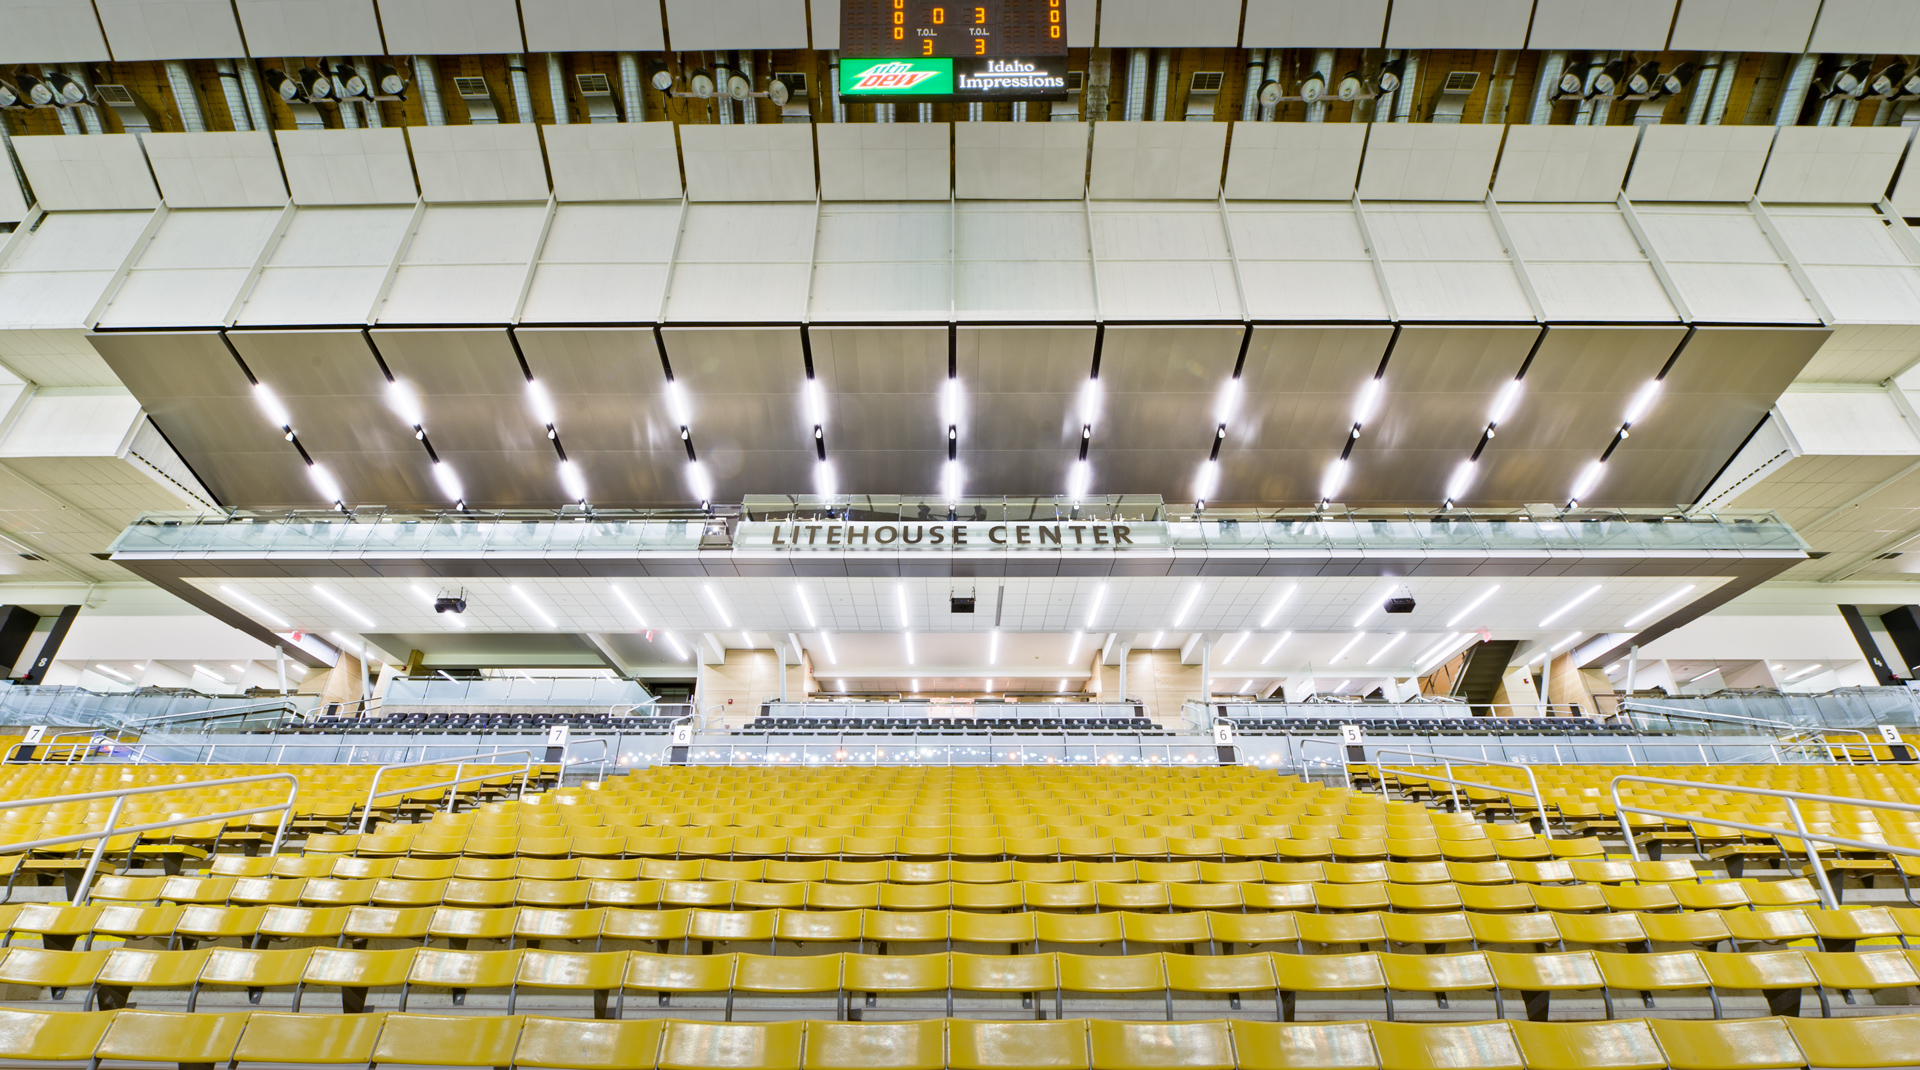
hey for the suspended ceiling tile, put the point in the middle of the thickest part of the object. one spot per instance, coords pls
(1163, 262)
(327, 268)
(1459, 24)
(1699, 163)
(466, 264)
(1564, 163)
(1150, 24)
(1743, 25)
(1445, 262)
(883, 262)
(882, 390)
(1295, 161)
(1020, 161)
(492, 162)
(1429, 161)
(603, 263)
(742, 263)
(170, 29)
(609, 391)
(1022, 399)
(1286, 23)
(326, 27)
(331, 385)
(450, 27)
(216, 170)
(1158, 161)
(1832, 164)
(50, 31)
(698, 25)
(1305, 262)
(613, 161)
(1723, 265)
(1850, 254)
(1864, 353)
(55, 274)
(101, 171)
(592, 26)
(762, 162)
(1023, 261)
(348, 166)
(193, 270)
(1585, 264)
(1161, 388)
(1298, 388)
(885, 161)
(1619, 25)
(743, 388)
(1869, 27)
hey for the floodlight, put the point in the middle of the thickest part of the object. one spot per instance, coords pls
(1388, 79)
(659, 76)
(778, 92)
(1314, 87)
(10, 97)
(1609, 78)
(37, 92)
(350, 81)
(1889, 81)
(1350, 86)
(738, 87)
(701, 83)
(1676, 80)
(317, 85)
(389, 79)
(65, 90)
(288, 89)
(1851, 81)
(1571, 83)
(1269, 93)
(1643, 80)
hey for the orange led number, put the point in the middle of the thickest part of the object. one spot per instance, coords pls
(979, 46)
(926, 47)
(939, 16)
(979, 16)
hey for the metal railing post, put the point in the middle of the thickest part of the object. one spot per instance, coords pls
(1539, 803)
(1813, 856)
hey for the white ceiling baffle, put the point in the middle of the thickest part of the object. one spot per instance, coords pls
(610, 245)
(1723, 264)
(328, 267)
(1445, 262)
(51, 280)
(1585, 265)
(1305, 261)
(195, 268)
(465, 263)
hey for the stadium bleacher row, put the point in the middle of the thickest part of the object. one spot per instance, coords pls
(255, 1037)
(955, 726)
(470, 723)
(1431, 726)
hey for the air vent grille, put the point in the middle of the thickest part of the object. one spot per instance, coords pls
(471, 88)
(796, 81)
(593, 85)
(1461, 82)
(113, 94)
(1076, 81)
(1206, 82)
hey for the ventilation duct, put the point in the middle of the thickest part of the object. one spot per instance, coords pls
(1705, 86)
(557, 89)
(1793, 96)
(1409, 81)
(1544, 88)
(1162, 87)
(1256, 70)
(522, 91)
(1451, 101)
(631, 91)
(133, 114)
(797, 108)
(91, 118)
(482, 110)
(427, 76)
(596, 96)
(236, 98)
(1203, 95)
(1136, 85)
(1068, 110)
(256, 100)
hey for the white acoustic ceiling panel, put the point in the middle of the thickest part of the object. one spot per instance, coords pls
(1723, 264)
(1906, 191)
(467, 263)
(1857, 263)
(1744, 25)
(1305, 261)
(1020, 161)
(1832, 164)
(1867, 27)
(1163, 262)
(217, 170)
(1158, 24)
(1082, 23)
(100, 171)
(1023, 261)
(1429, 161)
(1699, 163)
(1445, 262)
(327, 267)
(603, 263)
(1459, 24)
(592, 26)
(348, 166)
(13, 196)
(318, 27)
(824, 17)
(1635, 25)
(762, 162)
(613, 161)
(450, 27)
(1585, 265)
(743, 263)
(170, 29)
(1157, 161)
(1563, 163)
(1283, 23)
(498, 162)
(192, 271)
(50, 31)
(885, 161)
(880, 261)
(694, 25)
(1295, 161)
(55, 273)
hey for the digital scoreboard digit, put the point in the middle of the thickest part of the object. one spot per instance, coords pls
(953, 50)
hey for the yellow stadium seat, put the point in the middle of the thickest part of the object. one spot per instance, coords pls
(668, 974)
(158, 1036)
(1253, 930)
(232, 967)
(52, 1037)
(1303, 1046)
(1333, 930)
(354, 973)
(1662, 972)
(1472, 1046)
(1749, 1044)
(1840, 930)
(731, 1046)
(441, 1040)
(599, 973)
(1600, 930)
(1627, 1045)
(1844, 971)
(973, 1045)
(312, 1039)
(787, 975)
(877, 974)
(1110, 975)
(1158, 1046)
(1779, 975)
(902, 1045)
(1858, 1042)
(1439, 975)
(572, 1044)
(460, 971)
(130, 968)
(1324, 973)
(1023, 975)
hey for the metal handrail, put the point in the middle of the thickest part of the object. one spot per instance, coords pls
(285, 701)
(1701, 715)
(48, 741)
(459, 763)
(1799, 829)
(606, 755)
(119, 797)
(1338, 748)
(1539, 803)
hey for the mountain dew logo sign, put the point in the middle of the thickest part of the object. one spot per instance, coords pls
(928, 77)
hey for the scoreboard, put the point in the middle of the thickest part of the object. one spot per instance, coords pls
(953, 50)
